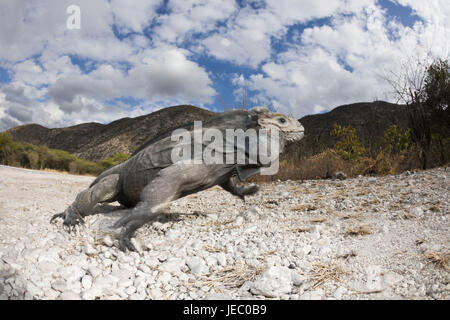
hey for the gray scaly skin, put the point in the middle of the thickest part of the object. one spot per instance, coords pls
(149, 180)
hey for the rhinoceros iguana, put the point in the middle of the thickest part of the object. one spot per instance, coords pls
(151, 178)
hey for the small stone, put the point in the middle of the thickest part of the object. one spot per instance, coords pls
(197, 265)
(173, 234)
(218, 296)
(303, 250)
(94, 271)
(136, 296)
(59, 285)
(92, 293)
(211, 261)
(124, 283)
(108, 241)
(69, 295)
(297, 279)
(164, 278)
(155, 294)
(71, 273)
(239, 221)
(130, 290)
(221, 259)
(34, 291)
(339, 292)
(273, 283)
(89, 250)
(173, 265)
(107, 262)
(86, 282)
(312, 295)
(417, 211)
(152, 262)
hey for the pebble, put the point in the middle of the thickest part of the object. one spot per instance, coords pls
(273, 283)
(172, 265)
(197, 265)
(107, 241)
(312, 295)
(86, 282)
(89, 250)
(155, 294)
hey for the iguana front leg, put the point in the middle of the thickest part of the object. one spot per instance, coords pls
(103, 191)
(240, 191)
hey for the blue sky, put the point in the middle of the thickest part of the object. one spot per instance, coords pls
(133, 58)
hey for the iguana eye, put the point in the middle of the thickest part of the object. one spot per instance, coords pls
(281, 120)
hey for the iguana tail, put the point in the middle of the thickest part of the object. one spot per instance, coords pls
(113, 170)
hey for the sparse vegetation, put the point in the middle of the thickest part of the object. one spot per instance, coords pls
(26, 155)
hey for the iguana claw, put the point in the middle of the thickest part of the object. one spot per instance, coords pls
(71, 219)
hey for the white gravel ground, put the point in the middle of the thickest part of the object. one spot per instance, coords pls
(292, 240)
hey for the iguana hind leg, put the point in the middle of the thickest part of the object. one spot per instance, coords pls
(168, 185)
(154, 198)
(105, 190)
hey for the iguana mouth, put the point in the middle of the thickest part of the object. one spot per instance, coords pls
(294, 135)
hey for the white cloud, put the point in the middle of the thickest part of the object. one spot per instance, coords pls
(45, 80)
(186, 17)
(318, 68)
(247, 39)
(341, 63)
(134, 16)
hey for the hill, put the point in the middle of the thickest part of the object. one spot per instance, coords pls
(96, 141)
(370, 120)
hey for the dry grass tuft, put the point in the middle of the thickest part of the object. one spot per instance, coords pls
(355, 216)
(326, 271)
(317, 220)
(408, 216)
(441, 260)
(303, 207)
(212, 249)
(232, 276)
(360, 230)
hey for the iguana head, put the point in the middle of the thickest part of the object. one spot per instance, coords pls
(290, 129)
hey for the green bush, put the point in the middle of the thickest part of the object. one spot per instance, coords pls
(396, 140)
(348, 147)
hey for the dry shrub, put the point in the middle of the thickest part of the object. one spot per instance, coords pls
(382, 165)
(320, 166)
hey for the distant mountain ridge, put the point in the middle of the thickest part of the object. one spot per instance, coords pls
(95, 141)
(370, 120)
